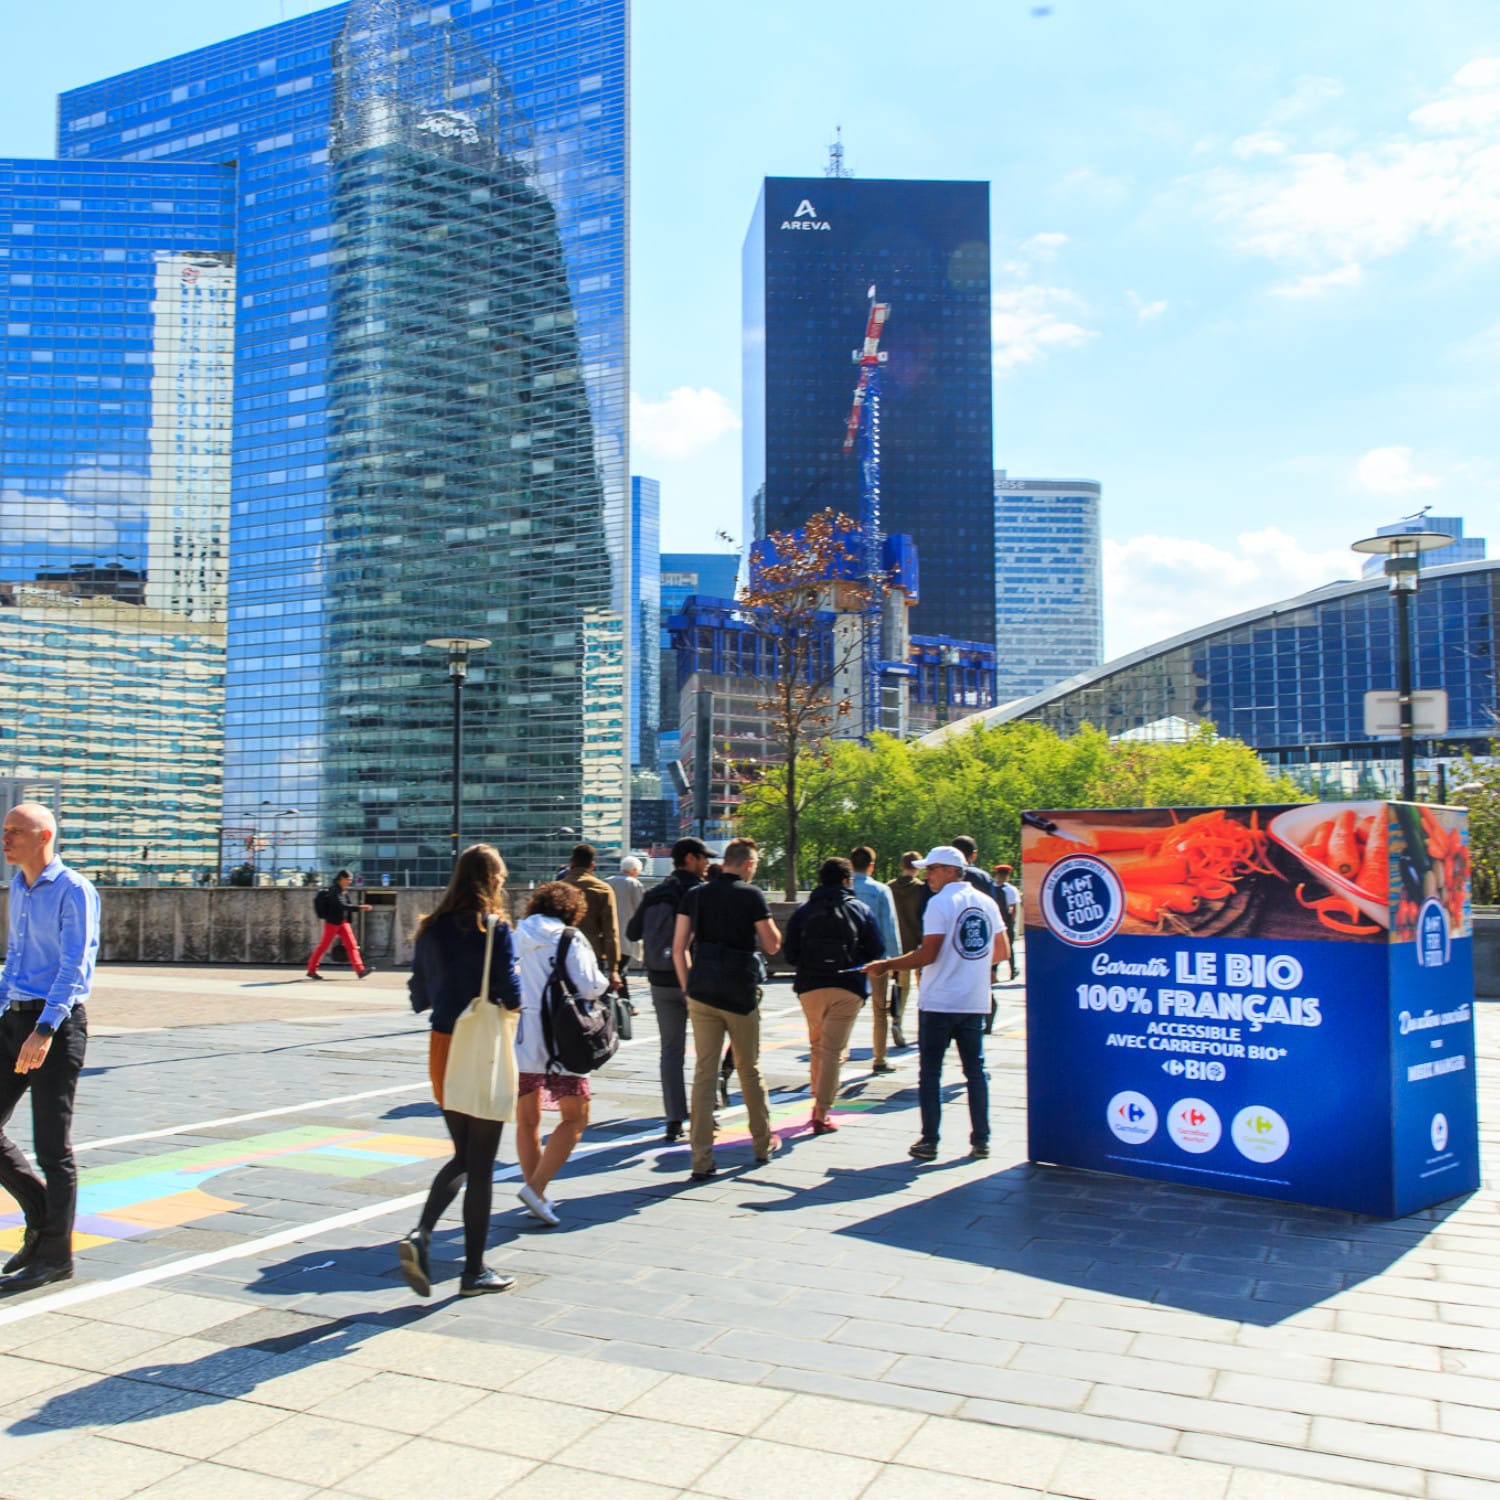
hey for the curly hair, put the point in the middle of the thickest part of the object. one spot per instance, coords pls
(558, 899)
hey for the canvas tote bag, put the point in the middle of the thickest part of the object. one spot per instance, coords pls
(480, 1079)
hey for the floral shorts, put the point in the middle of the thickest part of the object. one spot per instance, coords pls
(554, 1086)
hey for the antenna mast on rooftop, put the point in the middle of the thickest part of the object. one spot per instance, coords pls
(836, 167)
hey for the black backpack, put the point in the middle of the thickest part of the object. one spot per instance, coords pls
(327, 906)
(581, 1035)
(658, 928)
(829, 940)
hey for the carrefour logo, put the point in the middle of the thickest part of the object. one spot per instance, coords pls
(1132, 1117)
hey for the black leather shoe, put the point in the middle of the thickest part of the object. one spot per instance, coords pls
(674, 1130)
(707, 1176)
(485, 1281)
(24, 1255)
(311, 975)
(365, 972)
(38, 1273)
(416, 1267)
(882, 1068)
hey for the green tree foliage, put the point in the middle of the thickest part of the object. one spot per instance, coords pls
(1479, 790)
(896, 795)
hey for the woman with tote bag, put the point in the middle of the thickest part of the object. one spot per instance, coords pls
(464, 972)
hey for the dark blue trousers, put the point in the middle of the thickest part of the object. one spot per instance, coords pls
(935, 1029)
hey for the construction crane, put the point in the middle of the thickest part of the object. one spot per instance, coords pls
(864, 417)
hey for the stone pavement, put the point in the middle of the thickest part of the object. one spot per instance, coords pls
(841, 1322)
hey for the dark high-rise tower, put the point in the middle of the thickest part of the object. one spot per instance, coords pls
(815, 247)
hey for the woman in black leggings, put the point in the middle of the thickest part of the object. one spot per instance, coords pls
(447, 971)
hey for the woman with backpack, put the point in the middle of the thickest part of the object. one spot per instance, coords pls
(553, 954)
(830, 938)
(447, 975)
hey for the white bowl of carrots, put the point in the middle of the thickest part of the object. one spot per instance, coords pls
(1346, 845)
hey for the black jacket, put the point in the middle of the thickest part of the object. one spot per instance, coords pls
(868, 945)
(447, 967)
(671, 890)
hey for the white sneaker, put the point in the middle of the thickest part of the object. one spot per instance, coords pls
(537, 1206)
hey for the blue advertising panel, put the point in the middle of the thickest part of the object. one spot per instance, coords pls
(1274, 1001)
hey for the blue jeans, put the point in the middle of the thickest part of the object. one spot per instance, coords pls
(935, 1029)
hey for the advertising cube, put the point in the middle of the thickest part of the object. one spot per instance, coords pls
(1269, 1000)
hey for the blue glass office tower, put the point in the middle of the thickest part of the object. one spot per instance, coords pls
(1461, 549)
(1049, 583)
(815, 247)
(431, 243)
(645, 621)
(117, 291)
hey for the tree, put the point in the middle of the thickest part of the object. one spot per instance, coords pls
(1478, 789)
(795, 584)
(895, 795)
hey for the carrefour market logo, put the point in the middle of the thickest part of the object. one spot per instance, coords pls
(1083, 901)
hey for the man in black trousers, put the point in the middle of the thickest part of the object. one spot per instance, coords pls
(49, 968)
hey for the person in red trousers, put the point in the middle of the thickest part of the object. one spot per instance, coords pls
(336, 906)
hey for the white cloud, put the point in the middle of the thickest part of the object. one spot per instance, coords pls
(1317, 283)
(686, 422)
(1438, 179)
(1259, 143)
(1028, 322)
(94, 506)
(1390, 471)
(1043, 246)
(1145, 311)
(1309, 93)
(1158, 586)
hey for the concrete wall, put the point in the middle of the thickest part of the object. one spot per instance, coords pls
(1487, 955)
(245, 925)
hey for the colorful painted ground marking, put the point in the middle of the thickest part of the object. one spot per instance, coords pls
(164, 1190)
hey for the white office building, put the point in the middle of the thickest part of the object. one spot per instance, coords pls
(1049, 586)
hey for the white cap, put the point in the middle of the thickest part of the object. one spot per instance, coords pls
(944, 854)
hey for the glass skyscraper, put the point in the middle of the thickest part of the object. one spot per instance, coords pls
(645, 621)
(117, 305)
(1461, 549)
(430, 432)
(814, 249)
(1049, 584)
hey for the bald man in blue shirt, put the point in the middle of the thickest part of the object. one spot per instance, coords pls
(49, 967)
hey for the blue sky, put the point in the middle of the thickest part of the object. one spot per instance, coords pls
(1245, 256)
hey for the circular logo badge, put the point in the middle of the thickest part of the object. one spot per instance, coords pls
(1434, 941)
(972, 936)
(1440, 1132)
(1132, 1117)
(1259, 1134)
(1082, 900)
(1194, 1125)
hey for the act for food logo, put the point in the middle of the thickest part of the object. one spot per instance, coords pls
(1083, 901)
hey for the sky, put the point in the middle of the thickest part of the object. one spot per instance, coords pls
(1246, 258)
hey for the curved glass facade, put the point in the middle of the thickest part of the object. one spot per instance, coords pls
(1290, 679)
(470, 196)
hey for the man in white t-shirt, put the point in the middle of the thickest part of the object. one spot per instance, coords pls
(963, 936)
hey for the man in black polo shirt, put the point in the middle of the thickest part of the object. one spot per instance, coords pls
(719, 928)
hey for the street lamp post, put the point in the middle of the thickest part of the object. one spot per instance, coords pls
(286, 812)
(459, 649)
(1403, 561)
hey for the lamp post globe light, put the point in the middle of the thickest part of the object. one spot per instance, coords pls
(1403, 562)
(459, 648)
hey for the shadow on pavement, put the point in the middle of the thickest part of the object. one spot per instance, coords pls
(233, 1371)
(1196, 1249)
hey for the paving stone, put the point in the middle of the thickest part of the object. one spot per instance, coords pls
(1469, 1457)
(897, 1482)
(398, 1403)
(1304, 1463)
(1093, 1472)
(92, 1467)
(554, 1482)
(756, 1469)
(840, 1426)
(425, 1466)
(1328, 1400)
(683, 1362)
(876, 1392)
(1026, 1459)
(988, 1382)
(313, 1450)
(1071, 1424)
(775, 1349)
(719, 1406)
(1258, 1484)
(201, 1480)
(585, 1383)
(656, 1452)
(940, 1343)
(1090, 1365)
(1282, 1363)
